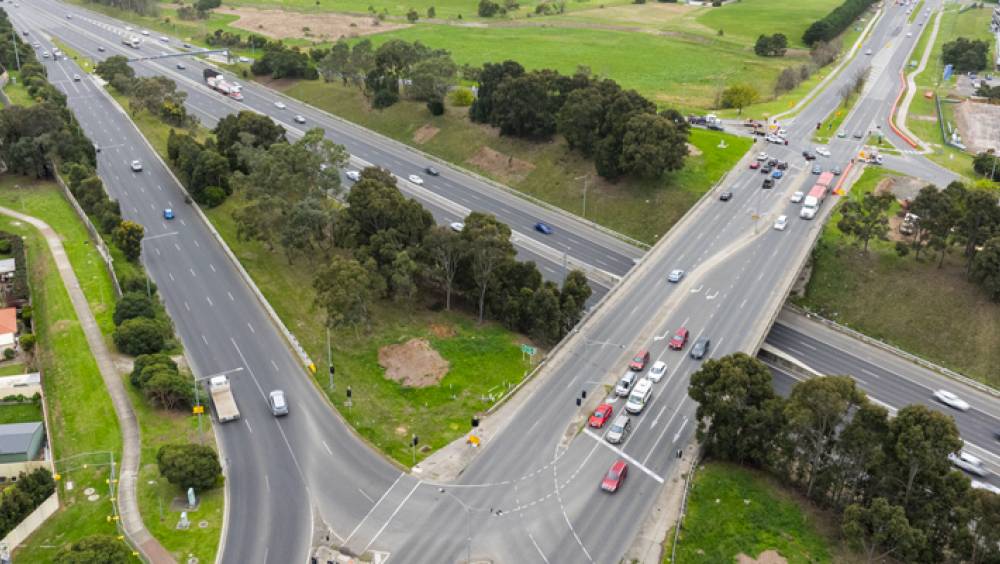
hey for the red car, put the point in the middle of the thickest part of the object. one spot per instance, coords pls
(615, 477)
(601, 415)
(639, 361)
(754, 165)
(679, 339)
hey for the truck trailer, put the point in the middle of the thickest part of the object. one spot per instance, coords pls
(215, 81)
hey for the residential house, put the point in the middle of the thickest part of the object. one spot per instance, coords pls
(8, 328)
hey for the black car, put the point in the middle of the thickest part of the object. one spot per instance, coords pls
(766, 169)
(772, 162)
(809, 156)
(768, 183)
(700, 348)
(725, 196)
(782, 165)
(432, 171)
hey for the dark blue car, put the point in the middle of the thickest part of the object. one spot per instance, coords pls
(168, 213)
(543, 228)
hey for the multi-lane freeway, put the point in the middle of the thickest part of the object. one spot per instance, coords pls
(531, 495)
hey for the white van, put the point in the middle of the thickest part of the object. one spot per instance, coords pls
(640, 396)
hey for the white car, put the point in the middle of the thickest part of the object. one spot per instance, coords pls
(909, 34)
(137, 166)
(300, 119)
(164, 39)
(128, 28)
(145, 32)
(985, 486)
(782, 132)
(69, 16)
(280, 105)
(76, 78)
(675, 275)
(762, 156)
(457, 226)
(969, 463)
(951, 400)
(353, 175)
(45, 54)
(657, 371)
(797, 197)
(823, 151)
(415, 179)
(781, 222)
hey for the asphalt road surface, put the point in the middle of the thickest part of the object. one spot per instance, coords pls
(532, 495)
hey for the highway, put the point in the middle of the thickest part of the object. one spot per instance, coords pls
(531, 495)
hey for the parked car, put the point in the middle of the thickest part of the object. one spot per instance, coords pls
(675, 275)
(679, 339)
(600, 416)
(951, 400)
(700, 348)
(276, 403)
(615, 477)
(639, 361)
(657, 371)
(781, 223)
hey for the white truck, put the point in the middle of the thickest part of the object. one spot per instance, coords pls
(222, 399)
(215, 81)
(132, 41)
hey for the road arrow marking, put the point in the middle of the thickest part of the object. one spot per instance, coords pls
(683, 424)
(698, 289)
(656, 420)
(712, 296)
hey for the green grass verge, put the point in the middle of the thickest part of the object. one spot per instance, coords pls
(644, 210)
(748, 19)
(916, 11)
(82, 418)
(20, 413)
(891, 298)
(45, 200)
(16, 91)
(445, 9)
(734, 510)
(922, 117)
(483, 359)
(12, 369)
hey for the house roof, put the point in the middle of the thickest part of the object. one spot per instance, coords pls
(7, 265)
(15, 438)
(8, 320)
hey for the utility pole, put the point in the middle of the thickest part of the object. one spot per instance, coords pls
(329, 357)
(17, 57)
(586, 179)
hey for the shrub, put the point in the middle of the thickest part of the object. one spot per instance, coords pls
(167, 388)
(436, 107)
(462, 97)
(96, 549)
(140, 336)
(212, 196)
(189, 466)
(132, 305)
(144, 361)
(9, 354)
(28, 342)
(488, 8)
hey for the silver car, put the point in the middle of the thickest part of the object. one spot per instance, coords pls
(619, 429)
(276, 403)
(675, 275)
(625, 383)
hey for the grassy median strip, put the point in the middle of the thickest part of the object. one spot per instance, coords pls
(733, 510)
(891, 298)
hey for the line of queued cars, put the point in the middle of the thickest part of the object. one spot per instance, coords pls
(773, 169)
(639, 392)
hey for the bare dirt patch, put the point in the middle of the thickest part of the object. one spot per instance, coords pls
(923, 118)
(692, 150)
(425, 133)
(413, 364)
(902, 187)
(979, 125)
(316, 26)
(506, 167)
(442, 331)
(766, 557)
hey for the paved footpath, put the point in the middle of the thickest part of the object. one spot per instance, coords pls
(128, 504)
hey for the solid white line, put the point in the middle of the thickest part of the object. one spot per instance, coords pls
(398, 478)
(366, 495)
(540, 553)
(251, 327)
(231, 298)
(209, 301)
(622, 454)
(391, 517)
(328, 449)
(204, 339)
(663, 432)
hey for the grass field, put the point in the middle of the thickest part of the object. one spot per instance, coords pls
(657, 66)
(12, 368)
(483, 359)
(922, 116)
(644, 210)
(20, 413)
(891, 298)
(734, 510)
(82, 418)
(16, 91)
(748, 19)
(445, 9)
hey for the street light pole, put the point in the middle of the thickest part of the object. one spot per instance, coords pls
(17, 57)
(586, 179)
